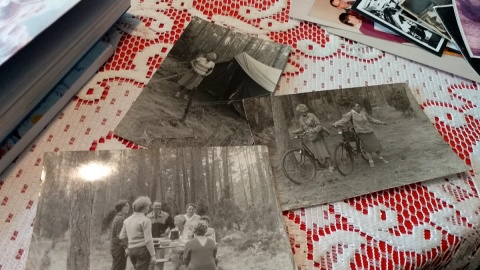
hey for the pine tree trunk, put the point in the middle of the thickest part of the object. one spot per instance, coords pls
(251, 176)
(226, 174)
(282, 137)
(80, 218)
(176, 208)
(208, 178)
(213, 181)
(261, 172)
(186, 198)
(193, 194)
(242, 173)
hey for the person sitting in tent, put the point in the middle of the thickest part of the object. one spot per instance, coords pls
(201, 67)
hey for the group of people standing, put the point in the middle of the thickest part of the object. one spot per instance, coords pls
(194, 246)
(358, 118)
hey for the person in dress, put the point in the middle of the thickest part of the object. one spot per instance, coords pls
(118, 248)
(361, 124)
(315, 133)
(201, 251)
(191, 219)
(162, 222)
(201, 68)
(137, 229)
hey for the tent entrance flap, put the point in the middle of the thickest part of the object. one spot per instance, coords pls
(241, 77)
(262, 74)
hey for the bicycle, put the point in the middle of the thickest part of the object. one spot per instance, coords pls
(298, 165)
(345, 154)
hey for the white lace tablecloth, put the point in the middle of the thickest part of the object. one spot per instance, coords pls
(429, 225)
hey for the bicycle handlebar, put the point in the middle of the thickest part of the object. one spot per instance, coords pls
(343, 128)
(299, 135)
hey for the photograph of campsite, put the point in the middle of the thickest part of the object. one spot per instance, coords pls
(355, 141)
(194, 98)
(201, 208)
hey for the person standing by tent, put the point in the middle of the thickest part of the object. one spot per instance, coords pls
(201, 67)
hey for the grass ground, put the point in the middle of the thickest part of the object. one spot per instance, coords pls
(153, 120)
(43, 255)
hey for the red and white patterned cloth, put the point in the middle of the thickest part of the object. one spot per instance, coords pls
(430, 225)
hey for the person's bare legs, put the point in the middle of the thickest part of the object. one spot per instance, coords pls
(181, 92)
(329, 160)
(379, 154)
(370, 160)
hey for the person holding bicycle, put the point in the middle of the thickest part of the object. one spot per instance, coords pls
(361, 124)
(315, 133)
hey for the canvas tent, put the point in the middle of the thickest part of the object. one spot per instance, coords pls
(241, 77)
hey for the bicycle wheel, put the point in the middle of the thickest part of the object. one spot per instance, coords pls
(298, 167)
(362, 152)
(343, 160)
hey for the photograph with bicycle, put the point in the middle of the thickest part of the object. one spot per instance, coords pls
(327, 146)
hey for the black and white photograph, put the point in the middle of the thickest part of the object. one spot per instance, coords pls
(447, 15)
(424, 10)
(328, 146)
(391, 15)
(468, 18)
(194, 98)
(173, 208)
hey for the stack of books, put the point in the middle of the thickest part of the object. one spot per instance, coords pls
(48, 50)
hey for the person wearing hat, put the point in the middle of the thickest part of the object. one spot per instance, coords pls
(201, 67)
(315, 133)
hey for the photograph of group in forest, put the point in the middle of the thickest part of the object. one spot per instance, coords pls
(172, 208)
(194, 98)
(332, 145)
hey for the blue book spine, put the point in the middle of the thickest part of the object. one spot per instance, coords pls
(51, 105)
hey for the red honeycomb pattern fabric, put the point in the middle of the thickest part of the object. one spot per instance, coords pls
(430, 225)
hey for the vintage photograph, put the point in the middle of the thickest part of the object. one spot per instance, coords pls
(468, 18)
(425, 12)
(172, 208)
(391, 15)
(194, 98)
(338, 14)
(332, 145)
(447, 15)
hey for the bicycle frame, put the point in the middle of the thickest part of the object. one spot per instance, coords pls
(356, 152)
(307, 150)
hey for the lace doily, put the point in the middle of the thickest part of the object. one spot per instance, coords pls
(420, 226)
